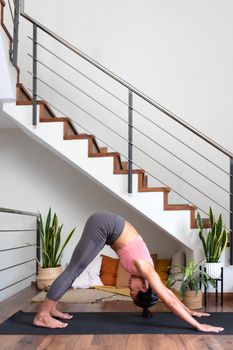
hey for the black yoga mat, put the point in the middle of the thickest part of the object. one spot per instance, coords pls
(116, 323)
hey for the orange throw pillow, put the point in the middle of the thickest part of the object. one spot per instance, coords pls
(122, 279)
(108, 272)
(162, 268)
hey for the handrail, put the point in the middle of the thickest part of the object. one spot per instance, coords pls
(20, 212)
(128, 86)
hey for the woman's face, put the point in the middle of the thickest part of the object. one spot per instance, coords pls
(137, 284)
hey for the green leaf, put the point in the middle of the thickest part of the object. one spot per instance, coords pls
(212, 235)
(48, 220)
(57, 243)
(203, 243)
(64, 244)
(211, 216)
(199, 222)
(219, 226)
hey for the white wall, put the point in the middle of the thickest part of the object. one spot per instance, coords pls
(38, 179)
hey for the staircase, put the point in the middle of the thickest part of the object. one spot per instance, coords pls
(83, 152)
(107, 168)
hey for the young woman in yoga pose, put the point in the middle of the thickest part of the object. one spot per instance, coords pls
(145, 284)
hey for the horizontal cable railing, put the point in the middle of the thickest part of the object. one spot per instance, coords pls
(19, 213)
(122, 119)
(127, 105)
(126, 140)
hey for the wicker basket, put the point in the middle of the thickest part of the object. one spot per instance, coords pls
(46, 276)
(193, 300)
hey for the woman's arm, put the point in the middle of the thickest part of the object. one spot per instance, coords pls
(191, 312)
(170, 300)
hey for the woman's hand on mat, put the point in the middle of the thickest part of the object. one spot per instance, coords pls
(198, 314)
(207, 328)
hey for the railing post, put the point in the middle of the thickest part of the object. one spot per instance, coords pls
(15, 34)
(231, 208)
(37, 243)
(130, 141)
(34, 75)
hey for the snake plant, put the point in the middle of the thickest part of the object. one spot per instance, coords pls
(215, 240)
(50, 234)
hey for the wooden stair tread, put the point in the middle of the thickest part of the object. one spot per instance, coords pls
(134, 171)
(105, 154)
(28, 103)
(155, 189)
(78, 137)
(179, 207)
(54, 120)
(23, 90)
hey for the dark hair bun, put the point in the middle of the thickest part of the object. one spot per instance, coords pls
(146, 300)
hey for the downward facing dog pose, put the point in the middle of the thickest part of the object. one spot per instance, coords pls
(145, 284)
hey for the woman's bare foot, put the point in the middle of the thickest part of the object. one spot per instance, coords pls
(63, 315)
(45, 320)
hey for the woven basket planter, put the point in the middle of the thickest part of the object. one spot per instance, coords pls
(46, 276)
(192, 300)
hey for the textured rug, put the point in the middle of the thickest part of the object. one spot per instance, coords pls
(85, 296)
(112, 289)
(117, 323)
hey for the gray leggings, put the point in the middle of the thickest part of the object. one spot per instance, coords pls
(100, 229)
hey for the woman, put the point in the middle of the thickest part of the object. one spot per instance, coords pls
(145, 284)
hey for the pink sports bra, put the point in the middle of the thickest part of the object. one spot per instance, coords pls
(134, 250)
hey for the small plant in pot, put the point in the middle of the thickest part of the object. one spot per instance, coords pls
(191, 278)
(51, 250)
(214, 242)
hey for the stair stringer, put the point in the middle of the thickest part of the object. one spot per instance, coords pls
(100, 169)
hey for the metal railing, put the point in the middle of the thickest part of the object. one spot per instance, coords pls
(132, 111)
(14, 248)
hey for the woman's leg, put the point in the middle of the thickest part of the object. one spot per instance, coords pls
(88, 247)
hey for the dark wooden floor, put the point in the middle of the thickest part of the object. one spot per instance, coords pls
(21, 301)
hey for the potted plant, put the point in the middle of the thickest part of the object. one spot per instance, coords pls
(51, 250)
(214, 242)
(191, 278)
